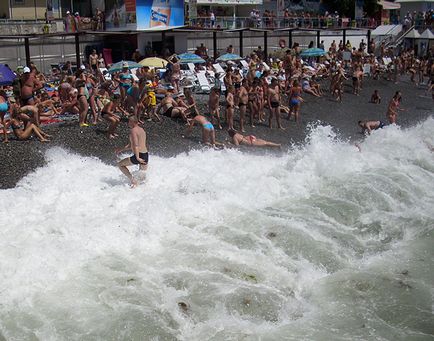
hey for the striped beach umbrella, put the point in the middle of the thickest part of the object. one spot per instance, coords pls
(313, 52)
(116, 67)
(229, 57)
(185, 58)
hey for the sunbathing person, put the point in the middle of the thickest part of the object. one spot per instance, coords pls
(375, 98)
(170, 108)
(250, 140)
(109, 114)
(29, 130)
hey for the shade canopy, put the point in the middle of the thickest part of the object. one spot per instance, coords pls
(154, 62)
(427, 34)
(388, 4)
(228, 57)
(186, 58)
(413, 34)
(116, 67)
(6, 75)
(313, 52)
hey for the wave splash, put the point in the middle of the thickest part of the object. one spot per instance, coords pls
(324, 242)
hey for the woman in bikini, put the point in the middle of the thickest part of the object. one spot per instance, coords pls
(243, 98)
(30, 129)
(83, 105)
(250, 140)
(124, 80)
(295, 101)
(393, 108)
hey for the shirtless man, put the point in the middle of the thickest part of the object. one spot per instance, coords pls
(251, 140)
(214, 106)
(208, 132)
(368, 126)
(29, 85)
(243, 97)
(137, 145)
(274, 103)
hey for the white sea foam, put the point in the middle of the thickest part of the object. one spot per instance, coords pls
(320, 243)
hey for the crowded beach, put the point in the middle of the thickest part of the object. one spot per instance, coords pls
(228, 102)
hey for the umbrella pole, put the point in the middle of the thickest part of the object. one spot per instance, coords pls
(241, 43)
(214, 44)
(27, 50)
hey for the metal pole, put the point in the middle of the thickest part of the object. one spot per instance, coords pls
(344, 33)
(27, 50)
(369, 42)
(36, 12)
(318, 38)
(265, 46)
(214, 44)
(10, 9)
(77, 51)
(241, 43)
(290, 39)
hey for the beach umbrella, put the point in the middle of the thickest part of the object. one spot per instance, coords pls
(185, 58)
(116, 67)
(313, 52)
(154, 62)
(229, 57)
(6, 75)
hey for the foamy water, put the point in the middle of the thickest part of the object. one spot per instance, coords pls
(323, 243)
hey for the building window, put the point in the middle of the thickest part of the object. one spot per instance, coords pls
(19, 2)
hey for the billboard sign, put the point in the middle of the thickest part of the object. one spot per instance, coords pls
(159, 13)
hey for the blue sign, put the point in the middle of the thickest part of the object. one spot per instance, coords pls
(159, 13)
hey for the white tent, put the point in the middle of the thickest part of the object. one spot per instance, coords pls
(413, 34)
(427, 34)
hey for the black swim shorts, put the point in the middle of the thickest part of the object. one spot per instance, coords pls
(143, 156)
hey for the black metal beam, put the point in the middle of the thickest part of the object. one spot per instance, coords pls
(27, 50)
(241, 43)
(369, 42)
(77, 50)
(344, 34)
(214, 44)
(290, 39)
(265, 46)
(318, 38)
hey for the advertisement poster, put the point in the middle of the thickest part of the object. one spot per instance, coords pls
(159, 13)
(120, 13)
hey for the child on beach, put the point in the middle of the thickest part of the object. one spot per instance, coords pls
(109, 114)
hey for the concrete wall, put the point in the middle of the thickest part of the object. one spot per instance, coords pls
(26, 10)
(4, 8)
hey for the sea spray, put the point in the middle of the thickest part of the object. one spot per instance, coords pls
(324, 242)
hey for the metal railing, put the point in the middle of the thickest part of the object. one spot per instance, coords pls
(281, 22)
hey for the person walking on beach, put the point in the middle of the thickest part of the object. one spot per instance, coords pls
(243, 97)
(214, 106)
(230, 105)
(137, 145)
(274, 103)
(393, 108)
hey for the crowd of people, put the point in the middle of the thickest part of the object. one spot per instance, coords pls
(256, 92)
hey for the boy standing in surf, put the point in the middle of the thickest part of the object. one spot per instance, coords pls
(138, 147)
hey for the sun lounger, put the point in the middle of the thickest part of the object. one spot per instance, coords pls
(107, 76)
(191, 67)
(203, 82)
(244, 64)
(218, 68)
